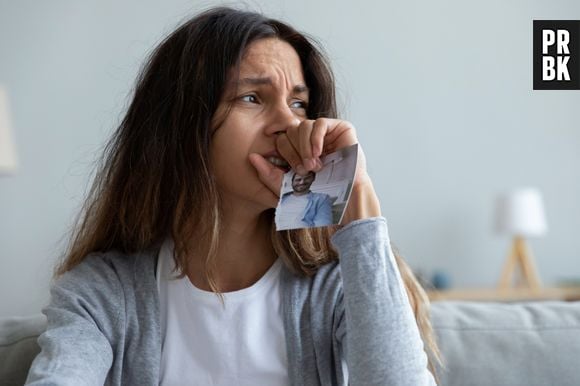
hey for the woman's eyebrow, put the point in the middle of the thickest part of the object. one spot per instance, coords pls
(299, 88)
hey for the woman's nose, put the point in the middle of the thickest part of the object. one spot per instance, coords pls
(282, 118)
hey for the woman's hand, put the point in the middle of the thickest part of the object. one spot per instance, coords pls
(303, 145)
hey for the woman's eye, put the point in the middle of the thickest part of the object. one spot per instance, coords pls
(299, 105)
(249, 98)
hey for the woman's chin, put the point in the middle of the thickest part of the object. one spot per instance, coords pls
(273, 203)
(269, 199)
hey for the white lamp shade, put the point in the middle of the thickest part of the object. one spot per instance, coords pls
(7, 151)
(521, 213)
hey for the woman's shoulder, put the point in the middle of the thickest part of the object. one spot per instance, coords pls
(106, 287)
(110, 271)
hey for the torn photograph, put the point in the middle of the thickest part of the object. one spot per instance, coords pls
(317, 199)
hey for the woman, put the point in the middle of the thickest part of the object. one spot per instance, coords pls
(182, 211)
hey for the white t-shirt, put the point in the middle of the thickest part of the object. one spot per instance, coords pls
(205, 343)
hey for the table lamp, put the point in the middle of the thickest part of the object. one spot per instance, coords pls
(520, 214)
(7, 150)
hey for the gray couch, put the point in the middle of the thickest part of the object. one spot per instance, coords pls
(516, 344)
(491, 344)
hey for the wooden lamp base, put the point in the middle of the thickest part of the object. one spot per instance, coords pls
(519, 256)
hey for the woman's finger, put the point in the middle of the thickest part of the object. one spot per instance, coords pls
(339, 134)
(304, 141)
(287, 151)
(319, 129)
(303, 145)
(270, 175)
(300, 138)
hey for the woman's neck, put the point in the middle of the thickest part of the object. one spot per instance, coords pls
(244, 254)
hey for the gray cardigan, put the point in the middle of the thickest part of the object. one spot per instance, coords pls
(103, 320)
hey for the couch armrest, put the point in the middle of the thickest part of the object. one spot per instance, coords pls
(532, 344)
(18, 347)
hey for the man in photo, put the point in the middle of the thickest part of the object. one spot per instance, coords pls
(302, 207)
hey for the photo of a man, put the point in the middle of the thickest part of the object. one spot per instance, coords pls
(319, 198)
(302, 208)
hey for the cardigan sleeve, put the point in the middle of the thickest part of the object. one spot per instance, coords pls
(84, 310)
(377, 330)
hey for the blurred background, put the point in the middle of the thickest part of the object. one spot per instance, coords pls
(441, 94)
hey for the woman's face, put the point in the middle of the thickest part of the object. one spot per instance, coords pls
(267, 97)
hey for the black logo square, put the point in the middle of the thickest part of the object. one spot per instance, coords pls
(556, 55)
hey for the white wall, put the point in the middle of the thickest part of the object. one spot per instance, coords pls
(441, 93)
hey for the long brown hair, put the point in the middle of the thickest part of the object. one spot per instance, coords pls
(155, 179)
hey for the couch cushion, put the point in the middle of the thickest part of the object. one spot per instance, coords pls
(532, 344)
(18, 347)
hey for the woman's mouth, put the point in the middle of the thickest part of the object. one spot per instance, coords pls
(279, 162)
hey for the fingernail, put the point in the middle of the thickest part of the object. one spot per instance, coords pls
(310, 163)
(300, 169)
